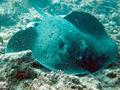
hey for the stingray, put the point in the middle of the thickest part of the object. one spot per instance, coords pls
(62, 44)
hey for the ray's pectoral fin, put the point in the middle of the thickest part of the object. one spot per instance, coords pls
(86, 23)
(22, 40)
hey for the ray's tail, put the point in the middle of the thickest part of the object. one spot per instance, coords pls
(37, 7)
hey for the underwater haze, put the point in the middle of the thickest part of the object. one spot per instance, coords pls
(72, 37)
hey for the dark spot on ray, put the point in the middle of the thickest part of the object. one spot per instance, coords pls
(61, 44)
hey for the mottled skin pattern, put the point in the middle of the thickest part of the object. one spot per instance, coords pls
(59, 45)
(102, 49)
